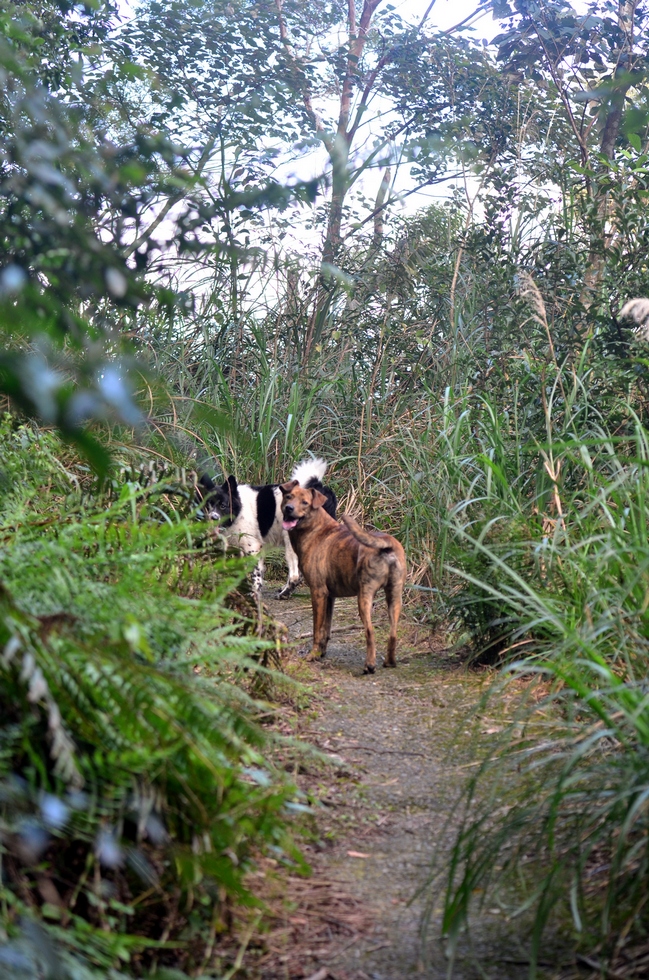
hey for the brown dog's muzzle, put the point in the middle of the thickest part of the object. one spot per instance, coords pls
(290, 518)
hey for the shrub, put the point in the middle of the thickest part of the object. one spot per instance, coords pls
(136, 785)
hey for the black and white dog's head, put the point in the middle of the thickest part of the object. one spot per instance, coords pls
(219, 503)
(332, 501)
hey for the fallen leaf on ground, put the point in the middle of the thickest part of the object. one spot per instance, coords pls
(320, 975)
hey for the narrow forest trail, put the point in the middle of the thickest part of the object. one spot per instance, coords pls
(399, 746)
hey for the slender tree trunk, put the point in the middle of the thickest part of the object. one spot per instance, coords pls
(611, 127)
(384, 187)
(339, 156)
(338, 147)
(610, 131)
(355, 92)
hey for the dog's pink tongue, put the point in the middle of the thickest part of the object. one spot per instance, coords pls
(289, 525)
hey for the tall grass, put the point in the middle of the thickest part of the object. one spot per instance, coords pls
(548, 546)
(553, 824)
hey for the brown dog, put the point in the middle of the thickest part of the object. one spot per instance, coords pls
(339, 560)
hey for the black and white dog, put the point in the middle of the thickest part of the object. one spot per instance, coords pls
(252, 516)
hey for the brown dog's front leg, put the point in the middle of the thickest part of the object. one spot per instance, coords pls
(319, 605)
(365, 610)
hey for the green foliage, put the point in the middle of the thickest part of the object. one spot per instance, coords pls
(78, 174)
(547, 549)
(554, 821)
(64, 280)
(135, 783)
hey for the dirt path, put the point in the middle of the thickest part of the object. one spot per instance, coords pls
(384, 805)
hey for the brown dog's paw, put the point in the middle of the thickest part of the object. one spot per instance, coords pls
(369, 670)
(314, 655)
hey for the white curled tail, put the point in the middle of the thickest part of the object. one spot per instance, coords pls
(309, 469)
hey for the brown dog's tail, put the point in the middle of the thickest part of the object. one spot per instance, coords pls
(372, 539)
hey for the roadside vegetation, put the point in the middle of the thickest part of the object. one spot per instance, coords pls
(171, 301)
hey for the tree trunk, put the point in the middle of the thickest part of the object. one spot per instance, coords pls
(339, 156)
(611, 127)
(609, 133)
(338, 147)
(384, 187)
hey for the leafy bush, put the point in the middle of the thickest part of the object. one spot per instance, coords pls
(135, 783)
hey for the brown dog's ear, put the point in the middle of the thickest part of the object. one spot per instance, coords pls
(318, 499)
(287, 487)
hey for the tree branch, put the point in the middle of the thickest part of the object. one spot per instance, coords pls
(564, 98)
(171, 202)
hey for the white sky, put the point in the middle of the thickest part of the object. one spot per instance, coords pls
(445, 14)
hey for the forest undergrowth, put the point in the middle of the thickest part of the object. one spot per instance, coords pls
(136, 776)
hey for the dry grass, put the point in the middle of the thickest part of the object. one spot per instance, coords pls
(307, 924)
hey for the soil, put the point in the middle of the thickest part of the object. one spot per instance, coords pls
(396, 747)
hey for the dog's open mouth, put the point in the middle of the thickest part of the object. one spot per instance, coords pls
(289, 525)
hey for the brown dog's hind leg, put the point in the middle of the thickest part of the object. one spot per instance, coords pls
(365, 598)
(393, 596)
